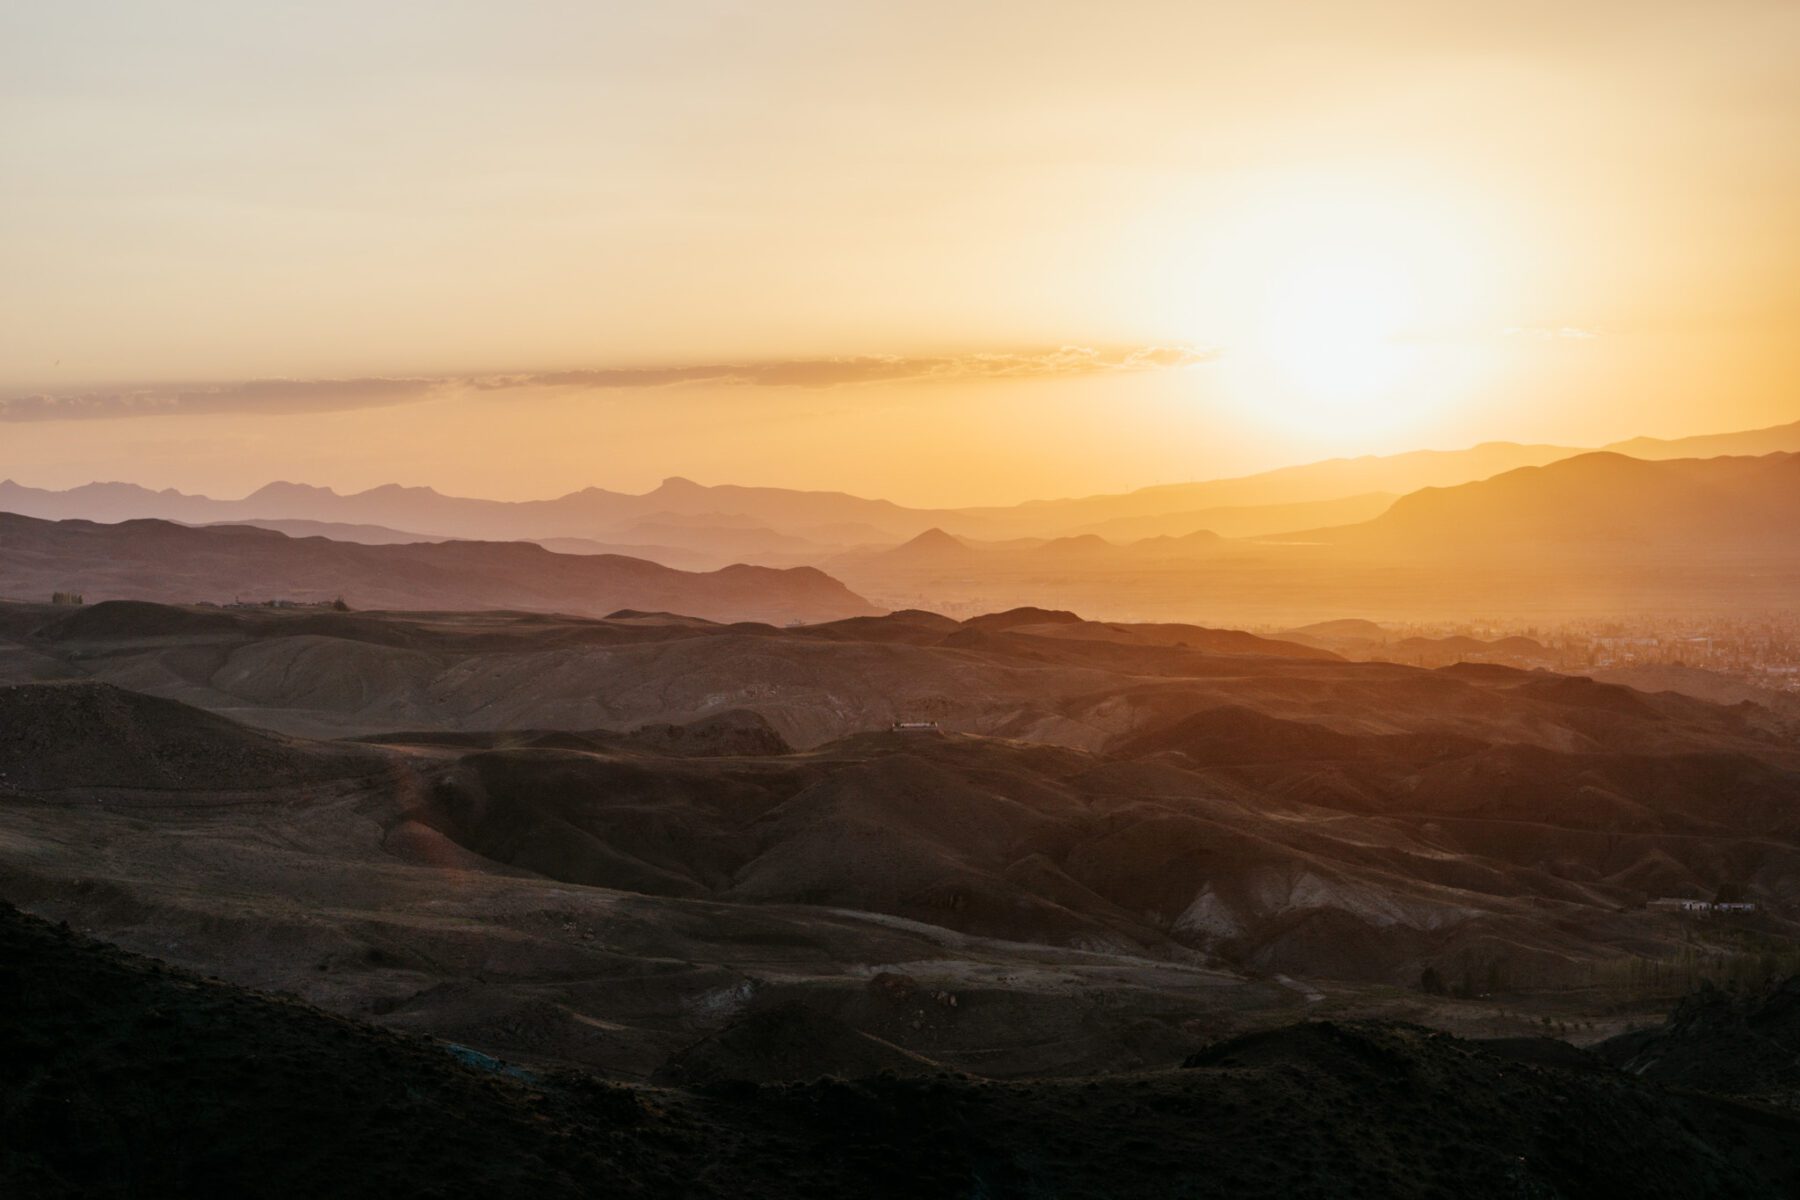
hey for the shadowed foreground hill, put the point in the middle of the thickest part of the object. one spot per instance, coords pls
(1737, 1043)
(157, 560)
(126, 1077)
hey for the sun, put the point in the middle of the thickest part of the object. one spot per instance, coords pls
(1336, 295)
(1330, 330)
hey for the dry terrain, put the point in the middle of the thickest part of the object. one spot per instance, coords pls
(475, 863)
(594, 841)
(128, 1078)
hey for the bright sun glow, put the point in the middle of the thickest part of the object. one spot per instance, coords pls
(1329, 328)
(1343, 292)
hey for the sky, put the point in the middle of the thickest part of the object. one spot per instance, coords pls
(940, 252)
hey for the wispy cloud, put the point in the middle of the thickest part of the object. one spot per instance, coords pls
(847, 372)
(270, 396)
(276, 397)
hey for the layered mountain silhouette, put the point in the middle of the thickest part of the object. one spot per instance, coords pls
(1316, 495)
(1565, 534)
(1347, 479)
(427, 511)
(1600, 500)
(1586, 533)
(158, 560)
(1595, 533)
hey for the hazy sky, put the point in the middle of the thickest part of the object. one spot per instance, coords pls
(514, 249)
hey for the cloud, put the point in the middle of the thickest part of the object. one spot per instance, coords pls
(269, 396)
(275, 397)
(844, 372)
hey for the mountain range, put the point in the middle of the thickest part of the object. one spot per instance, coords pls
(1591, 534)
(1580, 533)
(1588, 535)
(159, 560)
(780, 526)
(1695, 505)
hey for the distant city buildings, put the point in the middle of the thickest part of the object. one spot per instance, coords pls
(1762, 651)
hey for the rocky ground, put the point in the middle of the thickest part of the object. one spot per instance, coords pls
(1116, 854)
(127, 1077)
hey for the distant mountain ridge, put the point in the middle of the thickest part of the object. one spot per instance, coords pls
(780, 526)
(166, 562)
(681, 558)
(430, 512)
(1604, 498)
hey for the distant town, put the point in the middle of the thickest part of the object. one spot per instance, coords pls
(1761, 651)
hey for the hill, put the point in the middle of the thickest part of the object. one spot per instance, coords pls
(1272, 806)
(375, 535)
(130, 1077)
(1633, 506)
(1751, 443)
(94, 735)
(1340, 480)
(338, 531)
(316, 671)
(1310, 483)
(157, 560)
(586, 513)
(1737, 1042)
(1699, 682)
(933, 547)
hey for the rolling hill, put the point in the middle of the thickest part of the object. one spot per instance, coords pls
(1601, 501)
(157, 560)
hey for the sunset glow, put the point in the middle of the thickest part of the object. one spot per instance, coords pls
(774, 598)
(1370, 228)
